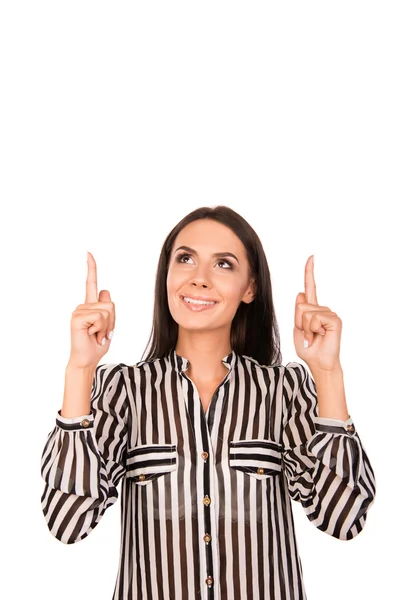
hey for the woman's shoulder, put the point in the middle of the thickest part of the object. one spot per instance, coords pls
(293, 369)
(142, 364)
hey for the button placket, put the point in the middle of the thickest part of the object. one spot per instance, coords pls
(200, 436)
(211, 532)
(210, 536)
(209, 512)
(207, 503)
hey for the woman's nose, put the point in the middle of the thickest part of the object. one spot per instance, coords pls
(197, 284)
(200, 278)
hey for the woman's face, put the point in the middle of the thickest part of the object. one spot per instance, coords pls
(212, 265)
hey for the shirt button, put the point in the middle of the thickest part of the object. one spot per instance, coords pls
(209, 580)
(142, 477)
(204, 455)
(350, 428)
(260, 471)
(85, 422)
(207, 538)
(206, 501)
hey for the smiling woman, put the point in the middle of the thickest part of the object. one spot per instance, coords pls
(210, 435)
(214, 254)
(207, 276)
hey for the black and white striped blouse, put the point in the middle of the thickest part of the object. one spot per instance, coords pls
(205, 497)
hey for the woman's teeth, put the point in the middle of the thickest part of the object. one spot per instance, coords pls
(192, 301)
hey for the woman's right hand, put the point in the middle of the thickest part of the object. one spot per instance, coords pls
(90, 323)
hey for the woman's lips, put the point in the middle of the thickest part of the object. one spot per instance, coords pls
(197, 307)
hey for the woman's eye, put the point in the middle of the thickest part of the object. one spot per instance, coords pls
(180, 257)
(226, 262)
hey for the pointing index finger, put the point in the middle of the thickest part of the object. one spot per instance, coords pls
(91, 280)
(310, 287)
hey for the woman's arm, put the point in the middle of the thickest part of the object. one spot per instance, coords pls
(84, 459)
(327, 468)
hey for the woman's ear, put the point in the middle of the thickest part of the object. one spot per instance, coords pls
(250, 292)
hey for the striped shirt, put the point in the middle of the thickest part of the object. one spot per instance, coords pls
(205, 497)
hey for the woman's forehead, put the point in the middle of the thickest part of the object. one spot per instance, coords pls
(209, 235)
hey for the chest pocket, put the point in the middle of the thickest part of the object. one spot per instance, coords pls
(148, 462)
(258, 458)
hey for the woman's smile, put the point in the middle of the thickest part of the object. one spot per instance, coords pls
(196, 305)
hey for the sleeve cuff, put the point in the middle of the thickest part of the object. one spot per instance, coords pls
(74, 423)
(328, 425)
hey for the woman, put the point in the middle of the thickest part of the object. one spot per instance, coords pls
(210, 434)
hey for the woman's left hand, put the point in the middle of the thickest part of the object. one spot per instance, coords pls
(320, 326)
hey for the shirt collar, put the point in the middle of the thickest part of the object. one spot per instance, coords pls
(181, 364)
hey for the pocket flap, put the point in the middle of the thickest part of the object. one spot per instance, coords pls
(147, 462)
(259, 458)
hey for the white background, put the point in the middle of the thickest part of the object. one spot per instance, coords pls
(117, 119)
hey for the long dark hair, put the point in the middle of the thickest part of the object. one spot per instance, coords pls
(254, 329)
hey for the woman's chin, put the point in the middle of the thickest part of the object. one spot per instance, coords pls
(192, 324)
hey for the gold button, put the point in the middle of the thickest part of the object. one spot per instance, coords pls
(142, 477)
(350, 428)
(260, 471)
(209, 580)
(204, 455)
(206, 501)
(85, 422)
(207, 538)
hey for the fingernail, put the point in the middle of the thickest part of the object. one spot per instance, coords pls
(103, 341)
(111, 333)
(305, 343)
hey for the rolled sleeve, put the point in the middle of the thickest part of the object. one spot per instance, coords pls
(84, 458)
(326, 466)
(337, 445)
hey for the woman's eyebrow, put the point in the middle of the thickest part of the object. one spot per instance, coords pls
(216, 254)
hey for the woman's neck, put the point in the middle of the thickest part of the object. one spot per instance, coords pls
(205, 360)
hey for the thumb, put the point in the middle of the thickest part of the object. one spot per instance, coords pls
(301, 297)
(104, 296)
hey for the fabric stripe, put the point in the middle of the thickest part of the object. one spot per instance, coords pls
(266, 447)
